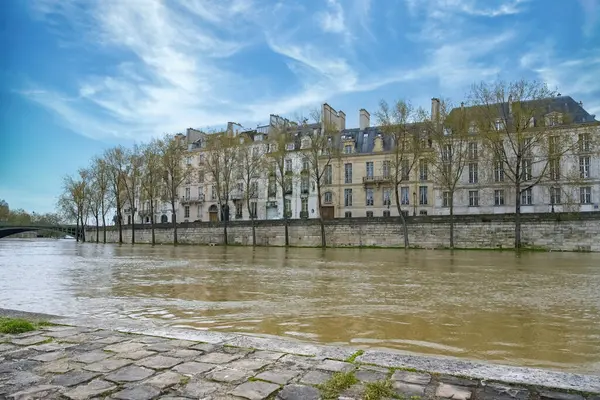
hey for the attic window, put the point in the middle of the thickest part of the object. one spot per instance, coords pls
(554, 119)
(290, 146)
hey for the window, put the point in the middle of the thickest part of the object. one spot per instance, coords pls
(422, 170)
(199, 212)
(473, 198)
(347, 197)
(289, 146)
(526, 197)
(499, 197)
(585, 195)
(255, 152)
(200, 191)
(305, 164)
(348, 214)
(584, 167)
(527, 171)
(447, 171)
(499, 171)
(422, 212)
(186, 212)
(369, 169)
(328, 198)
(287, 208)
(423, 195)
(369, 199)
(187, 193)
(287, 185)
(253, 208)
(552, 145)
(404, 197)
(405, 170)
(213, 194)
(348, 173)
(387, 194)
(584, 142)
(473, 173)
(200, 176)
(473, 151)
(555, 195)
(369, 214)
(348, 149)
(240, 187)
(272, 188)
(498, 124)
(447, 153)
(554, 168)
(304, 206)
(328, 175)
(253, 189)
(386, 213)
(238, 209)
(386, 169)
(288, 165)
(304, 184)
(446, 199)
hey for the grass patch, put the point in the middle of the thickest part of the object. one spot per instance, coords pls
(379, 390)
(353, 357)
(184, 380)
(339, 382)
(16, 325)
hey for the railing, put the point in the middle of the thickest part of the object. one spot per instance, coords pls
(376, 179)
(192, 199)
(303, 214)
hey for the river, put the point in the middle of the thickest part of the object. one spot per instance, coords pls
(536, 309)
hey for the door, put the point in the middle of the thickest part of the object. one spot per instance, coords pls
(328, 212)
(213, 214)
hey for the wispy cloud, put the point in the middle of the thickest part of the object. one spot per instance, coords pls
(591, 12)
(332, 20)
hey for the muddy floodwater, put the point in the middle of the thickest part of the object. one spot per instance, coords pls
(536, 309)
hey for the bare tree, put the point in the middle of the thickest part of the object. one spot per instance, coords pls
(75, 199)
(251, 166)
(220, 161)
(151, 179)
(280, 147)
(400, 124)
(116, 161)
(131, 181)
(101, 178)
(519, 129)
(453, 148)
(172, 153)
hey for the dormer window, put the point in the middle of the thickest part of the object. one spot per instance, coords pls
(554, 119)
(290, 146)
(348, 149)
(498, 125)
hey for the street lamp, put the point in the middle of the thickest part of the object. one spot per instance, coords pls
(552, 198)
(414, 203)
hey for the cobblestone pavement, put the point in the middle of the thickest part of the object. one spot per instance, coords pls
(64, 362)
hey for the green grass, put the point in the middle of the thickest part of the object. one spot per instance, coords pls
(353, 357)
(379, 390)
(16, 325)
(339, 382)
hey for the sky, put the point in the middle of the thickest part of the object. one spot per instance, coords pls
(80, 76)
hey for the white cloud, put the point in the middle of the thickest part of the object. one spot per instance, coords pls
(332, 20)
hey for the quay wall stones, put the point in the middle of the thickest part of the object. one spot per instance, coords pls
(552, 232)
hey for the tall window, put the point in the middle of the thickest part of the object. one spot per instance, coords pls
(328, 198)
(527, 197)
(253, 189)
(423, 170)
(187, 193)
(213, 192)
(186, 212)
(447, 153)
(423, 195)
(584, 167)
(287, 208)
(288, 165)
(347, 197)
(404, 196)
(499, 124)
(473, 198)
(369, 199)
(555, 195)
(584, 142)
(348, 173)
(552, 145)
(304, 205)
(446, 199)
(238, 209)
(498, 171)
(387, 197)
(200, 192)
(405, 170)
(348, 149)
(288, 185)
(499, 197)
(473, 173)
(585, 195)
(305, 164)
(369, 169)
(527, 169)
(201, 176)
(473, 153)
(240, 187)
(554, 167)
(328, 174)
(272, 187)
(253, 208)
(386, 169)
(304, 184)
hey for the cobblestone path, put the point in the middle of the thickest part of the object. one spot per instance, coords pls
(64, 362)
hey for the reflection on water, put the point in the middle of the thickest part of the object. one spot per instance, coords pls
(537, 309)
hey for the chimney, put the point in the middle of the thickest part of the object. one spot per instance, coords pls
(364, 119)
(341, 120)
(462, 105)
(435, 109)
(580, 103)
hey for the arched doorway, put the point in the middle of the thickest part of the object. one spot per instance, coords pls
(164, 219)
(213, 213)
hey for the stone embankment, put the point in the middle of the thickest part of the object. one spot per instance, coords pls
(85, 362)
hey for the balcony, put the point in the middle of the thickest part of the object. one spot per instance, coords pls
(237, 195)
(192, 199)
(304, 214)
(376, 180)
(271, 204)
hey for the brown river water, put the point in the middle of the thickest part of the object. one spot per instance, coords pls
(536, 309)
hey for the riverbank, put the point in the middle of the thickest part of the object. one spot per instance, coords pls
(83, 358)
(549, 232)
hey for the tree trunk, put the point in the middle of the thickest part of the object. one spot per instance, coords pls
(452, 220)
(518, 216)
(402, 219)
(152, 221)
(132, 225)
(120, 222)
(321, 221)
(174, 220)
(253, 232)
(103, 222)
(77, 231)
(285, 218)
(97, 229)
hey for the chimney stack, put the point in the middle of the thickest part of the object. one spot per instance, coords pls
(435, 109)
(364, 119)
(341, 120)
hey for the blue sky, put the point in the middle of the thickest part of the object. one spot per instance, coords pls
(77, 77)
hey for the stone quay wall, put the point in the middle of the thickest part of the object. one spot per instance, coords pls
(556, 232)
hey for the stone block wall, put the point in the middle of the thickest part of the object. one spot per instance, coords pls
(560, 232)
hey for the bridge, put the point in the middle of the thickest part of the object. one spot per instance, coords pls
(71, 230)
